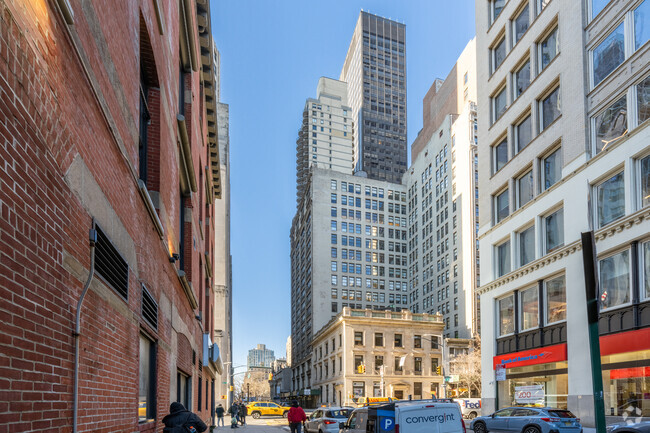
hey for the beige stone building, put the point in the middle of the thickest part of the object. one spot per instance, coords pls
(351, 350)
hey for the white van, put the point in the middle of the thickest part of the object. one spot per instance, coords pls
(417, 416)
(469, 407)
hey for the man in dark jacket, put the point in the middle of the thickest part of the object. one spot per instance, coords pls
(233, 411)
(243, 411)
(179, 416)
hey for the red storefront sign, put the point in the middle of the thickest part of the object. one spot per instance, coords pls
(542, 355)
(629, 373)
(630, 341)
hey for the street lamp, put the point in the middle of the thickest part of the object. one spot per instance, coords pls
(230, 380)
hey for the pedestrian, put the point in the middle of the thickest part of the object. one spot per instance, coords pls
(220, 411)
(296, 417)
(243, 411)
(233, 411)
(182, 420)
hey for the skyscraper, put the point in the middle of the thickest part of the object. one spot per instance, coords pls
(260, 358)
(325, 137)
(375, 70)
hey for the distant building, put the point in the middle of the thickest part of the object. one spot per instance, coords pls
(260, 358)
(289, 351)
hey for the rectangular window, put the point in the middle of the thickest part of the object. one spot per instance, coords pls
(549, 109)
(522, 78)
(379, 339)
(183, 389)
(610, 124)
(499, 104)
(506, 310)
(548, 49)
(333, 198)
(334, 280)
(500, 155)
(498, 54)
(501, 206)
(503, 258)
(333, 184)
(527, 246)
(398, 364)
(641, 23)
(523, 133)
(551, 169)
(614, 274)
(643, 100)
(358, 361)
(525, 189)
(334, 293)
(529, 306)
(335, 307)
(520, 25)
(398, 340)
(379, 361)
(610, 199)
(496, 6)
(147, 393)
(555, 304)
(608, 54)
(644, 181)
(645, 269)
(417, 365)
(333, 225)
(597, 6)
(417, 341)
(358, 338)
(554, 231)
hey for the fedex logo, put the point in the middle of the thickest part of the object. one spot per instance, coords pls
(471, 404)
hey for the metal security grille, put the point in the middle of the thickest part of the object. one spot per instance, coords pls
(149, 308)
(110, 265)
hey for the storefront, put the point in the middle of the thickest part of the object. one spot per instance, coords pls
(537, 377)
(625, 359)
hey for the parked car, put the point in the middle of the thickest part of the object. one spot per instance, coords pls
(639, 427)
(528, 420)
(326, 420)
(469, 407)
(417, 416)
(257, 409)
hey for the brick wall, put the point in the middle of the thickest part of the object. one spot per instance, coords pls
(69, 155)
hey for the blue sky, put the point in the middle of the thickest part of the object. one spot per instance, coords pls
(272, 55)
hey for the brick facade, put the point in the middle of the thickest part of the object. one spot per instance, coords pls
(69, 138)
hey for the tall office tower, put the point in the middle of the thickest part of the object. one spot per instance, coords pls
(563, 109)
(325, 137)
(348, 249)
(260, 358)
(375, 70)
(442, 202)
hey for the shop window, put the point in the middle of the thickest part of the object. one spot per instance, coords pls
(614, 275)
(147, 393)
(555, 300)
(529, 309)
(506, 311)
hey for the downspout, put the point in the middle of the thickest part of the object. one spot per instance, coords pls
(77, 331)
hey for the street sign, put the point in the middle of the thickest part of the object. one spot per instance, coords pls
(501, 372)
(447, 378)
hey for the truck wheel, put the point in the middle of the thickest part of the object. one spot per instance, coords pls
(256, 414)
(472, 415)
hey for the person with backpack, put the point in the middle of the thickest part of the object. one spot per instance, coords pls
(220, 411)
(234, 412)
(243, 411)
(181, 420)
(296, 417)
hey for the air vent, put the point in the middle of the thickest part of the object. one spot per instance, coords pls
(110, 265)
(149, 308)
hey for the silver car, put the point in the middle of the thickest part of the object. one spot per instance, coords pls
(527, 420)
(326, 419)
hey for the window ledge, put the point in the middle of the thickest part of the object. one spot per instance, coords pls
(189, 290)
(144, 193)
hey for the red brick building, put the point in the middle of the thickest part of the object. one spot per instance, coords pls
(107, 127)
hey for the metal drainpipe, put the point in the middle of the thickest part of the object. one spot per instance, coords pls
(77, 331)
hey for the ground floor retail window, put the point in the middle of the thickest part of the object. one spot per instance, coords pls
(543, 385)
(626, 385)
(358, 389)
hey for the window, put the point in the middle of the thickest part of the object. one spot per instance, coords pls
(398, 364)
(555, 304)
(527, 246)
(643, 100)
(554, 230)
(358, 361)
(335, 307)
(551, 169)
(379, 339)
(333, 198)
(529, 305)
(183, 389)
(499, 104)
(614, 274)
(496, 6)
(610, 125)
(503, 258)
(333, 185)
(550, 108)
(548, 49)
(645, 268)
(541, 4)
(334, 293)
(641, 22)
(644, 181)
(147, 394)
(522, 78)
(520, 25)
(609, 54)
(417, 364)
(333, 225)
(501, 206)
(334, 280)
(498, 54)
(506, 310)
(417, 341)
(398, 340)
(597, 6)
(525, 189)
(523, 133)
(358, 338)
(379, 361)
(610, 199)
(500, 155)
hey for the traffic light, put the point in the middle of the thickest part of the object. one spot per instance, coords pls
(270, 376)
(361, 369)
(232, 388)
(439, 370)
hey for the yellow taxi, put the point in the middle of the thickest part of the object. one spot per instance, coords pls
(257, 409)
